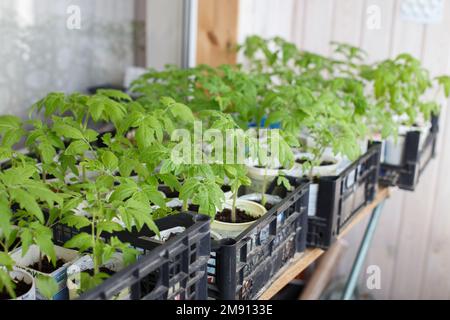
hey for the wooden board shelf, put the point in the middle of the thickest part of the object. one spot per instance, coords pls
(305, 259)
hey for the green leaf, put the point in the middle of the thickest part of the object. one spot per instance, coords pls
(82, 241)
(47, 151)
(126, 166)
(7, 283)
(47, 286)
(5, 217)
(27, 202)
(8, 122)
(77, 147)
(182, 112)
(76, 221)
(68, 131)
(6, 260)
(26, 236)
(144, 136)
(123, 192)
(115, 94)
(108, 226)
(110, 160)
(45, 244)
(96, 106)
(157, 198)
(42, 192)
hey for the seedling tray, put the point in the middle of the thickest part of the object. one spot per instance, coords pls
(406, 176)
(341, 197)
(173, 270)
(240, 268)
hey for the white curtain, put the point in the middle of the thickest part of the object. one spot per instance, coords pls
(39, 53)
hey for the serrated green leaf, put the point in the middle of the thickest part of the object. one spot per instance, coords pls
(47, 286)
(81, 241)
(77, 147)
(110, 160)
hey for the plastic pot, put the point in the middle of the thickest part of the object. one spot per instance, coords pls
(21, 274)
(232, 230)
(59, 275)
(85, 263)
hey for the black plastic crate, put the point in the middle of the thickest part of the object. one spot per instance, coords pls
(341, 197)
(173, 270)
(240, 268)
(406, 176)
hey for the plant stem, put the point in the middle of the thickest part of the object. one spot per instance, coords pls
(83, 172)
(233, 207)
(264, 186)
(94, 242)
(40, 260)
(185, 205)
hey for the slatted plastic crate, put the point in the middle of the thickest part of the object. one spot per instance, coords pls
(240, 268)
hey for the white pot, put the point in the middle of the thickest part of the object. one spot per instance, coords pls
(393, 152)
(20, 274)
(257, 197)
(394, 149)
(258, 175)
(329, 170)
(363, 145)
(312, 201)
(232, 230)
(377, 137)
(59, 275)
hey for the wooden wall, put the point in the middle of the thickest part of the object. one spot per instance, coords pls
(412, 242)
(217, 31)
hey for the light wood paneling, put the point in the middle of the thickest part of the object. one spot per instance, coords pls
(217, 31)
(412, 240)
(318, 25)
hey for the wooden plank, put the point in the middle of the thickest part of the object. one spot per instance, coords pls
(302, 261)
(217, 31)
(382, 194)
(322, 273)
(289, 272)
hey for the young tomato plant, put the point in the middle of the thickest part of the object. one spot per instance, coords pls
(23, 198)
(104, 206)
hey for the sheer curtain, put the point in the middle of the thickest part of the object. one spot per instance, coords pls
(42, 49)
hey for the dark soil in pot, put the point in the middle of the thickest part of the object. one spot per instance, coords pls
(109, 272)
(263, 167)
(47, 266)
(241, 216)
(268, 206)
(225, 188)
(168, 192)
(301, 161)
(323, 163)
(191, 207)
(21, 288)
(48, 176)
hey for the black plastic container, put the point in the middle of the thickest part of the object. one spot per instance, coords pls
(173, 270)
(406, 176)
(240, 268)
(341, 197)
